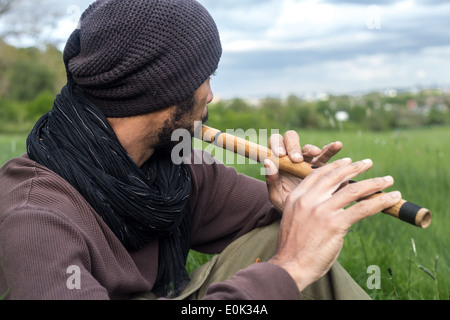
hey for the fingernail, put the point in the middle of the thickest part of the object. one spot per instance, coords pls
(367, 161)
(347, 159)
(389, 179)
(297, 156)
(396, 195)
(268, 168)
(281, 151)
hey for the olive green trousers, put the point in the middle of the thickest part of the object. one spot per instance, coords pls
(260, 244)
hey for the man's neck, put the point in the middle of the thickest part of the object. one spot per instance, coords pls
(138, 135)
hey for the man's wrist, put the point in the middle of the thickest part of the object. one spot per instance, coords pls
(294, 271)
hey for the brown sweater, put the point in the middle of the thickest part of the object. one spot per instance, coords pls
(46, 226)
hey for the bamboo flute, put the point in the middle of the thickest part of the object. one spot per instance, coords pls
(403, 210)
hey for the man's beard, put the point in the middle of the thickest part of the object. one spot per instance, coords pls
(178, 121)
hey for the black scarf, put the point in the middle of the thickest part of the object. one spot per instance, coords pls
(76, 141)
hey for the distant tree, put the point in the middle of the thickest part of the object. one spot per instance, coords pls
(436, 117)
(26, 72)
(27, 80)
(42, 104)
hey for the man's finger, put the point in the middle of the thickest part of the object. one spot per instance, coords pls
(277, 146)
(271, 171)
(328, 152)
(354, 191)
(317, 177)
(292, 143)
(310, 152)
(366, 208)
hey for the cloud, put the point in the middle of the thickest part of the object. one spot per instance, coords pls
(277, 47)
(310, 23)
(340, 75)
(340, 46)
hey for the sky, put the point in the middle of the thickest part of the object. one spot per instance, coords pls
(311, 47)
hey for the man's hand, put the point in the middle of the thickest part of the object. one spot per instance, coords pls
(314, 221)
(281, 184)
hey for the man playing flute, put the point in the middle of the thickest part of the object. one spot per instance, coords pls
(96, 208)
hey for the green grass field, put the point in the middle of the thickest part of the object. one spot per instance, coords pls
(419, 260)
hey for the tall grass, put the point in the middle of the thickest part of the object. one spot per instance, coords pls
(11, 145)
(418, 161)
(4, 295)
(418, 259)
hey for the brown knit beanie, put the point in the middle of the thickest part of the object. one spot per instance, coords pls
(133, 57)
